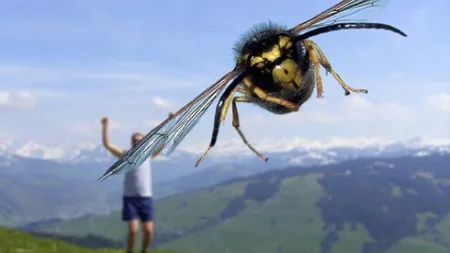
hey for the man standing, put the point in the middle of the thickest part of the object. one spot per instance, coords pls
(137, 192)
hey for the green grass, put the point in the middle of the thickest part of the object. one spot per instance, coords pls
(396, 191)
(444, 228)
(186, 210)
(290, 220)
(352, 241)
(297, 230)
(416, 245)
(13, 241)
(421, 220)
(108, 226)
(346, 213)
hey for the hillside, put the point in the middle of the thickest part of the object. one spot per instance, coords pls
(12, 241)
(397, 205)
(33, 190)
(36, 189)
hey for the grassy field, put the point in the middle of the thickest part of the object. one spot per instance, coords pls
(13, 241)
(359, 206)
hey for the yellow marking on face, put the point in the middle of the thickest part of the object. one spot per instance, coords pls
(257, 60)
(298, 80)
(289, 45)
(288, 86)
(286, 72)
(273, 54)
(285, 42)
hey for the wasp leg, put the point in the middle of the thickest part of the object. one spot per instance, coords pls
(227, 102)
(316, 62)
(221, 110)
(221, 113)
(264, 96)
(236, 125)
(313, 48)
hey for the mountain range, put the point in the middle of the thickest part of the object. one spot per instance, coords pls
(357, 147)
(65, 187)
(364, 205)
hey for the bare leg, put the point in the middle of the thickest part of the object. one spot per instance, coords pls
(133, 227)
(148, 235)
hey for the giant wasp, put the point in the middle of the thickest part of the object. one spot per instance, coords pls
(276, 69)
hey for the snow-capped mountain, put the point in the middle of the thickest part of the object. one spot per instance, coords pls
(234, 154)
(294, 151)
(29, 169)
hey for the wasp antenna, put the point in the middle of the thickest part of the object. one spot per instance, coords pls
(342, 26)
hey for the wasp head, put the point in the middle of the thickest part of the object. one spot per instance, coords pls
(268, 50)
(271, 55)
(257, 40)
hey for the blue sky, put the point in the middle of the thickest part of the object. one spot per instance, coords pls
(65, 64)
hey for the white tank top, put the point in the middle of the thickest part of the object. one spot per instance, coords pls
(138, 182)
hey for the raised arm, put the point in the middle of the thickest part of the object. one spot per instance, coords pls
(116, 151)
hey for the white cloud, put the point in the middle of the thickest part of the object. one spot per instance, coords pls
(18, 99)
(163, 103)
(33, 149)
(440, 101)
(236, 146)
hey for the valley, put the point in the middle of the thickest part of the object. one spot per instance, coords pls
(371, 205)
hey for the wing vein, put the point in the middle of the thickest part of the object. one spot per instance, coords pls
(171, 132)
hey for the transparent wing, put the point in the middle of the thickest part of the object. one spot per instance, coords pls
(337, 14)
(169, 134)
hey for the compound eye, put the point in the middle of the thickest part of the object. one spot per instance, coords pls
(285, 72)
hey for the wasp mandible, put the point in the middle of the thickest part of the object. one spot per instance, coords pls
(276, 69)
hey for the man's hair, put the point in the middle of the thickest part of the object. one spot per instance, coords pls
(136, 134)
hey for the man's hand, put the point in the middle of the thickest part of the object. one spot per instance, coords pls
(104, 121)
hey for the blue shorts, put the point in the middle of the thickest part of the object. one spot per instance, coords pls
(134, 208)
